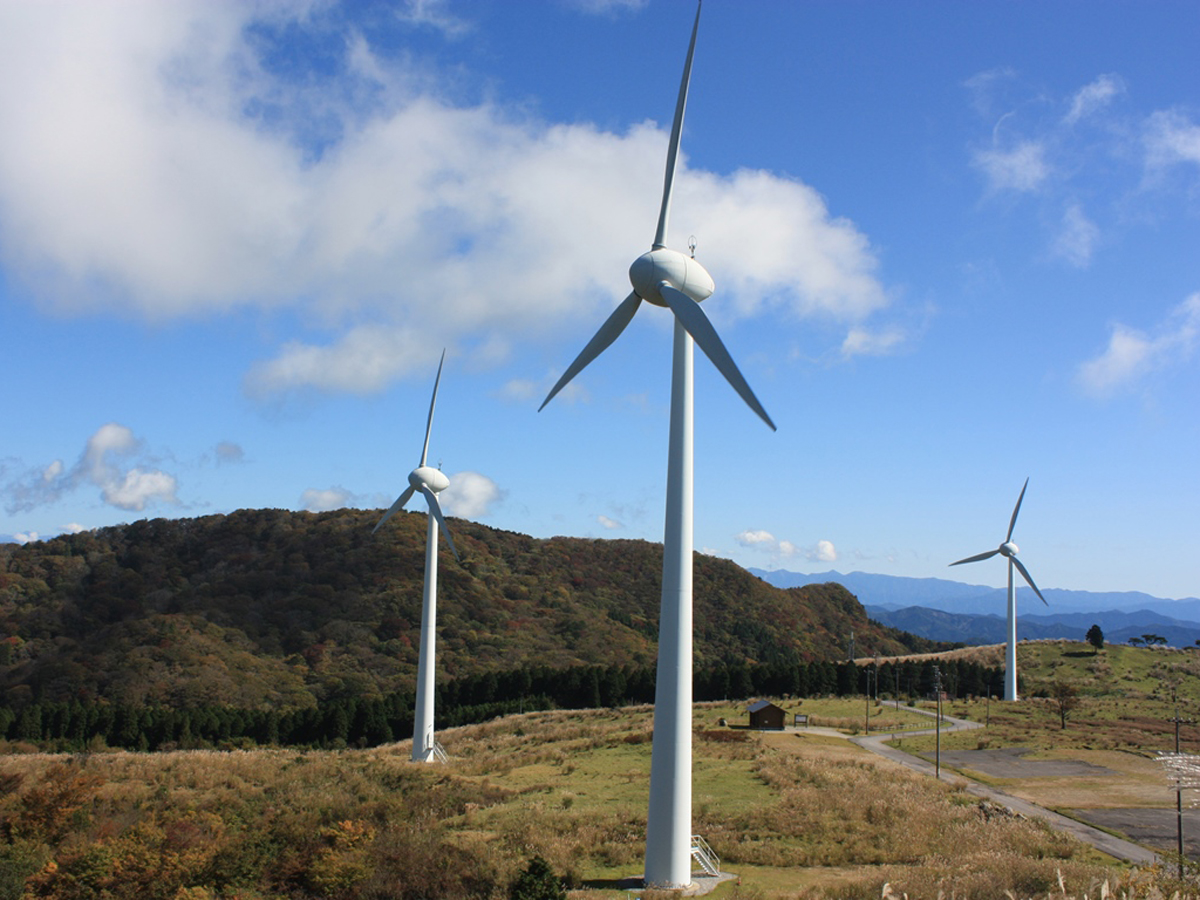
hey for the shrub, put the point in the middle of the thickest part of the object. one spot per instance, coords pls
(537, 882)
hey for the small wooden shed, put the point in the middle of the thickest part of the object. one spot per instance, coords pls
(765, 715)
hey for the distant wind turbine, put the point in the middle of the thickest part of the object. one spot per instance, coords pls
(671, 279)
(430, 482)
(1009, 551)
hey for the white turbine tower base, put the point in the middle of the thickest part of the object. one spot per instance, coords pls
(1009, 551)
(668, 278)
(429, 482)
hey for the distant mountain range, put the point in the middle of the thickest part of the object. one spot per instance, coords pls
(945, 610)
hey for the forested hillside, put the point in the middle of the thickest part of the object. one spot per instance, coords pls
(270, 609)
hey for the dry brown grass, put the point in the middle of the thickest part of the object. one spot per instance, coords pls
(568, 786)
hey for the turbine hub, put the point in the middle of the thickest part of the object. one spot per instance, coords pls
(677, 269)
(428, 476)
(1008, 549)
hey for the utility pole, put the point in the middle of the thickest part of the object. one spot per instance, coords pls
(937, 691)
(1179, 788)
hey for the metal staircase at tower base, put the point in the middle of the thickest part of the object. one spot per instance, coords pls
(704, 856)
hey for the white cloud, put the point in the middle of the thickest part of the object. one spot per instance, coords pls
(607, 7)
(1171, 138)
(470, 496)
(104, 463)
(137, 488)
(1077, 237)
(433, 14)
(1022, 167)
(1039, 148)
(23, 537)
(610, 524)
(1093, 97)
(325, 499)
(1131, 353)
(822, 551)
(518, 390)
(364, 361)
(861, 341)
(755, 538)
(825, 551)
(132, 177)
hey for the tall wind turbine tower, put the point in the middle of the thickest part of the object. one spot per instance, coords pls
(1009, 551)
(430, 482)
(670, 279)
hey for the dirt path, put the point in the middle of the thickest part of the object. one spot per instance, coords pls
(1101, 840)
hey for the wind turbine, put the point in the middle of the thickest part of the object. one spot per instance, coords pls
(430, 482)
(1009, 551)
(671, 279)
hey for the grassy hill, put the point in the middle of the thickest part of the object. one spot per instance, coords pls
(284, 610)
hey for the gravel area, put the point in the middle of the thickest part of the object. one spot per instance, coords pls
(1009, 762)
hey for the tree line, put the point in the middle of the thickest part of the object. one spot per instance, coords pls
(362, 722)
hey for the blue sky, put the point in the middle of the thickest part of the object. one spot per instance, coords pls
(955, 245)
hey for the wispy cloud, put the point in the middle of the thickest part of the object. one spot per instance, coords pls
(325, 499)
(107, 463)
(1058, 151)
(1171, 138)
(862, 341)
(433, 14)
(229, 453)
(1131, 354)
(154, 163)
(607, 7)
(1093, 97)
(1077, 237)
(1021, 167)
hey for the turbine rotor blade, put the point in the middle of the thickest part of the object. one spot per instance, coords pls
(664, 213)
(1025, 574)
(432, 404)
(395, 507)
(435, 510)
(976, 558)
(1012, 523)
(696, 323)
(609, 332)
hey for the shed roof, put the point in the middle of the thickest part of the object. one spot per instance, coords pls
(761, 705)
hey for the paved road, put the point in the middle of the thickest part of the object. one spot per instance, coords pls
(1101, 840)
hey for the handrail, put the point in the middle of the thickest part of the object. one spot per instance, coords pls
(704, 855)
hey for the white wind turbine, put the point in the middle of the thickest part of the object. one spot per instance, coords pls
(1009, 551)
(430, 482)
(676, 281)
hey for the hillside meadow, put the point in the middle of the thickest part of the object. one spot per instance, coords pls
(1122, 698)
(792, 816)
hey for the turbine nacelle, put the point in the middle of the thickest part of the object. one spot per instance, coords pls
(1008, 549)
(650, 270)
(428, 476)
